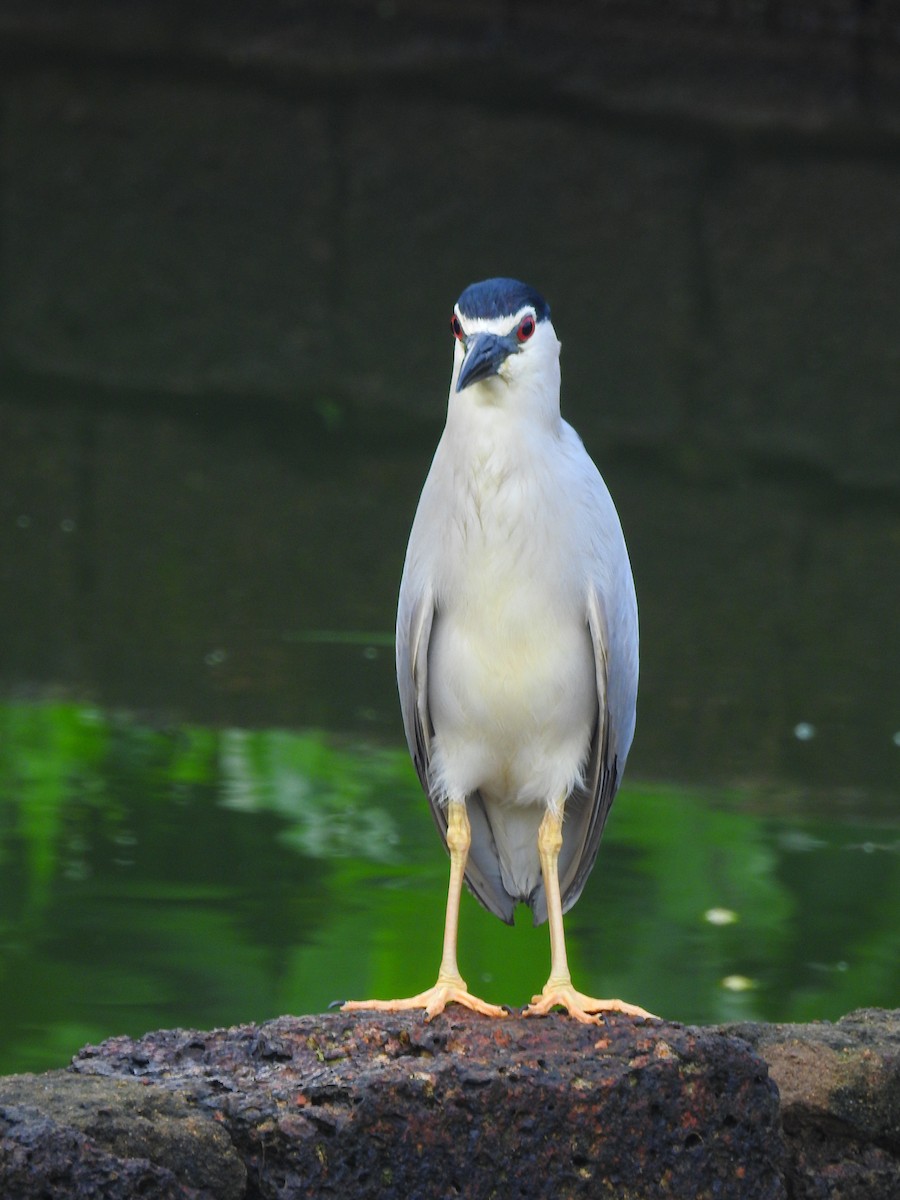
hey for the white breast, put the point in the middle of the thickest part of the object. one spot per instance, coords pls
(512, 691)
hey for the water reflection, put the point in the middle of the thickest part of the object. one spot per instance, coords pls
(231, 571)
(222, 377)
(191, 876)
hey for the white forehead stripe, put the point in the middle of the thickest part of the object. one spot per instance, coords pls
(500, 325)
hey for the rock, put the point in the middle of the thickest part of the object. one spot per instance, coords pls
(840, 1102)
(384, 1105)
(66, 1135)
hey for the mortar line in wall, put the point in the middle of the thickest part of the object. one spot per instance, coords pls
(490, 83)
(5, 144)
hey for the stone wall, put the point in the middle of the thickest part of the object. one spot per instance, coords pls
(195, 200)
(229, 242)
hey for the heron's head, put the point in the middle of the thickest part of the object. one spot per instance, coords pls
(504, 342)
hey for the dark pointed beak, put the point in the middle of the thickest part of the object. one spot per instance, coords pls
(485, 354)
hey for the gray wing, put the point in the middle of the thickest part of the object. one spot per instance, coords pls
(415, 620)
(615, 641)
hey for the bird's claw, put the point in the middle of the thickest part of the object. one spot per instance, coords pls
(579, 1006)
(434, 1000)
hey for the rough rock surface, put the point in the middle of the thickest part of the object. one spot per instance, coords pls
(368, 1105)
(379, 1105)
(840, 1103)
(65, 1135)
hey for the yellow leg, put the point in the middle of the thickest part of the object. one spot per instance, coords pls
(450, 987)
(558, 990)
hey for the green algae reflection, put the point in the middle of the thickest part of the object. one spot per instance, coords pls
(162, 876)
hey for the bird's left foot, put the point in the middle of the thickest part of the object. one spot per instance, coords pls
(583, 1008)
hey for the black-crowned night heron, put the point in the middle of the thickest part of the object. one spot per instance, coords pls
(517, 642)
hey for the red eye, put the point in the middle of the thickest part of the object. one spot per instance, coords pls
(526, 329)
(456, 327)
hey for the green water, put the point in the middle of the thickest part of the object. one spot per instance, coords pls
(185, 875)
(224, 358)
(207, 811)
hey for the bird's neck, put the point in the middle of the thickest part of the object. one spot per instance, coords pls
(493, 413)
(494, 452)
(498, 477)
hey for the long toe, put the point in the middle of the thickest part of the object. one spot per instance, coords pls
(583, 1008)
(434, 1000)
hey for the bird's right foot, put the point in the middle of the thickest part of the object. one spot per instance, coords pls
(447, 990)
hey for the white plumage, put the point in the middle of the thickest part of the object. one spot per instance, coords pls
(517, 637)
(514, 540)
